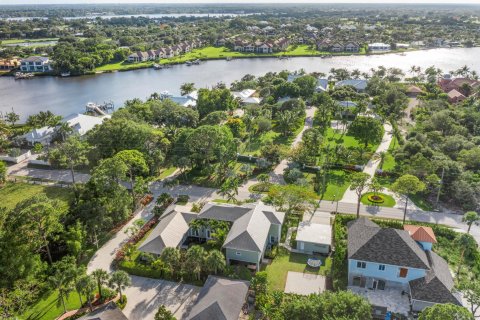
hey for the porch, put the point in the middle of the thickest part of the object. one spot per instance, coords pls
(394, 299)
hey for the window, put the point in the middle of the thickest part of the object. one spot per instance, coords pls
(238, 253)
(381, 267)
(403, 273)
(361, 264)
(207, 232)
(272, 239)
(194, 232)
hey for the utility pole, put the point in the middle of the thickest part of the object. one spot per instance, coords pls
(440, 187)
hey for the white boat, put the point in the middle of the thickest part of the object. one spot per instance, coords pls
(188, 63)
(196, 61)
(20, 75)
(157, 66)
(65, 74)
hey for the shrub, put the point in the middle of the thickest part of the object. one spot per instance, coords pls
(145, 258)
(182, 199)
(197, 207)
(122, 302)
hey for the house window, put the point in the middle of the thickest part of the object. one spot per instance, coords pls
(195, 232)
(207, 232)
(272, 239)
(238, 253)
(381, 267)
(361, 264)
(403, 273)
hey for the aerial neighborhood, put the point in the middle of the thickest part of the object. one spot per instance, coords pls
(325, 175)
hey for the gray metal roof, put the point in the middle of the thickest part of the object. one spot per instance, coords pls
(219, 299)
(368, 242)
(223, 212)
(109, 311)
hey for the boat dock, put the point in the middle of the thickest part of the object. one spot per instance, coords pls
(101, 109)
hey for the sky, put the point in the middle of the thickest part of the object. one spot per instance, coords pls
(233, 1)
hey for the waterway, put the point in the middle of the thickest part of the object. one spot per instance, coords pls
(64, 96)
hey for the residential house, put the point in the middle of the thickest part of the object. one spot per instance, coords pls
(322, 85)
(219, 299)
(220, 42)
(378, 46)
(247, 96)
(263, 47)
(152, 55)
(413, 91)
(254, 229)
(138, 56)
(359, 84)
(324, 45)
(461, 85)
(455, 96)
(35, 64)
(80, 124)
(352, 47)
(281, 44)
(337, 47)
(110, 311)
(391, 259)
(9, 64)
(269, 30)
(313, 238)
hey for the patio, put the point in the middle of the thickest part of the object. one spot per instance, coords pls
(304, 283)
(392, 299)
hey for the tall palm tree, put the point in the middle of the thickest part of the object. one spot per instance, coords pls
(119, 280)
(63, 284)
(101, 276)
(86, 285)
(63, 130)
(380, 156)
(172, 257)
(215, 261)
(464, 241)
(195, 260)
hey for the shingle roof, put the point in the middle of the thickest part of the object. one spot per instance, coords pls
(357, 84)
(368, 242)
(421, 233)
(436, 286)
(223, 212)
(109, 311)
(219, 299)
(169, 232)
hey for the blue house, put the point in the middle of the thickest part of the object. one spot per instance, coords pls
(387, 258)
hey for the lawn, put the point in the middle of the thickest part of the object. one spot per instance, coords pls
(285, 261)
(333, 138)
(13, 193)
(388, 201)
(337, 182)
(47, 307)
(15, 41)
(167, 172)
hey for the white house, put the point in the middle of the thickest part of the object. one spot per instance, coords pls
(35, 64)
(378, 46)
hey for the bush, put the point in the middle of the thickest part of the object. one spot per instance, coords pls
(145, 258)
(122, 302)
(182, 199)
(272, 252)
(197, 207)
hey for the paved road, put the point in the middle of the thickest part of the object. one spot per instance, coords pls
(22, 170)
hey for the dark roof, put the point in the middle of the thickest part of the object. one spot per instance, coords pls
(223, 212)
(219, 299)
(436, 286)
(368, 242)
(110, 311)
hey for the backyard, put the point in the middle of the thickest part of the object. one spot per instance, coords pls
(49, 308)
(285, 261)
(13, 193)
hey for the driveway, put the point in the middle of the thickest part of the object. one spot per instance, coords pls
(145, 295)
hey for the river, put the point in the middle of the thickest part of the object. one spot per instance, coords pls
(64, 96)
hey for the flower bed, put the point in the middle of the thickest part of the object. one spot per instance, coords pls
(120, 255)
(375, 198)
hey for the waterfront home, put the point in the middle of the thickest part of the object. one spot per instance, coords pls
(313, 238)
(35, 64)
(281, 44)
(152, 55)
(359, 84)
(394, 264)
(246, 96)
(220, 42)
(413, 91)
(263, 47)
(324, 45)
(454, 96)
(219, 299)
(322, 85)
(337, 47)
(462, 85)
(9, 64)
(379, 47)
(254, 228)
(352, 47)
(80, 124)
(184, 101)
(138, 56)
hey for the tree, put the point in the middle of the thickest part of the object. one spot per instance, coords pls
(470, 218)
(12, 117)
(63, 278)
(70, 154)
(136, 166)
(407, 185)
(259, 283)
(75, 239)
(359, 182)
(466, 242)
(263, 178)
(86, 285)
(101, 277)
(306, 85)
(186, 88)
(445, 311)
(215, 261)
(3, 172)
(215, 100)
(292, 197)
(164, 314)
(286, 121)
(195, 259)
(380, 156)
(119, 280)
(40, 218)
(375, 186)
(172, 258)
(229, 189)
(367, 130)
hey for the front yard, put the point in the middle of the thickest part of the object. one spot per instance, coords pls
(13, 193)
(285, 261)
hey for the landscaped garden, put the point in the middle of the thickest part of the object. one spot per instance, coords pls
(286, 261)
(378, 199)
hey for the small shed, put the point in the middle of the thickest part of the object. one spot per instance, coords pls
(413, 91)
(314, 238)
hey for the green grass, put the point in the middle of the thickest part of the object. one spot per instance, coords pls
(388, 200)
(13, 193)
(337, 182)
(47, 307)
(421, 202)
(167, 172)
(333, 138)
(285, 261)
(15, 41)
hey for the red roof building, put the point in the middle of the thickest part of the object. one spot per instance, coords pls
(421, 234)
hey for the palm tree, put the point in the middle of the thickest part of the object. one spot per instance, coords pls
(63, 131)
(215, 261)
(172, 257)
(195, 259)
(229, 189)
(101, 276)
(464, 241)
(119, 280)
(63, 284)
(470, 217)
(186, 88)
(380, 156)
(76, 274)
(86, 286)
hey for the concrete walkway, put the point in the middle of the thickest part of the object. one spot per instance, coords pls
(59, 175)
(350, 196)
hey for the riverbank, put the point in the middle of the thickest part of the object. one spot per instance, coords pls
(220, 53)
